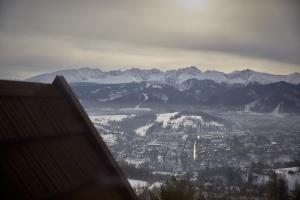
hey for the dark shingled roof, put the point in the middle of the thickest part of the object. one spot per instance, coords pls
(50, 149)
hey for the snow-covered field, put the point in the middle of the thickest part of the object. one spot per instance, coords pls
(110, 139)
(168, 120)
(137, 108)
(111, 97)
(141, 131)
(171, 120)
(165, 118)
(135, 162)
(138, 183)
(102, 121)
(105, 119)
(291, 175)
(155, 185)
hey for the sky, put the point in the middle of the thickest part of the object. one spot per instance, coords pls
(39, 36)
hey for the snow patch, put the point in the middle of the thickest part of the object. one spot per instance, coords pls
(109, 139)
(291, 175)
(137, 108)
(105, 119)
(156, 86)
(141, 131)
(138, 183)
(95, 91)
(145, 97)
(276, 112)
(135, 162)
(184, 120)
(110, 98)
(165, 118)
(155, 185)
(249, 106)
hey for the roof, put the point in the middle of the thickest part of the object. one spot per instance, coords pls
(49, 148)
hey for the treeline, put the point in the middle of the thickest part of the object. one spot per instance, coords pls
(232, 175)
(212, 183)
(173, 189)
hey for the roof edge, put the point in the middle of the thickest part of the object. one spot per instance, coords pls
(61, 84)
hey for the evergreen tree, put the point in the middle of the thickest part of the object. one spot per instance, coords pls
(282, 190)
(177, 190)
(170, 190)
(277, 188)
(296, 192)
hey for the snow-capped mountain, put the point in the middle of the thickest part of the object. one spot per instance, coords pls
(98, 76)
(171, 77)
(188, 87)
(250, 76)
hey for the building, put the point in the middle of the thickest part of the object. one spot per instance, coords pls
(50, 149)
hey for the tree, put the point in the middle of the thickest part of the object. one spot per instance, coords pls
(147, 194)
(277, 188)
(170, 190)
(282, 189)
(296, 192)
(177, 190)
(272, 187)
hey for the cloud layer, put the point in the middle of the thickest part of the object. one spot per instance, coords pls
(40, 36)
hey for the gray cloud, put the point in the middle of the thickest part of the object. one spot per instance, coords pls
(38, 36)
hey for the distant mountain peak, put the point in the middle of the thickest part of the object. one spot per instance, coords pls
(248, 70)
(191, 69)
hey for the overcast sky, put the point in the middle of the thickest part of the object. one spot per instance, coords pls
(38, 36)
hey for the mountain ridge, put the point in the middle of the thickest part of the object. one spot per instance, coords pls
(279, 97)
(172, 77)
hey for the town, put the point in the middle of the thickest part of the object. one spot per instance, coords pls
(219, 159)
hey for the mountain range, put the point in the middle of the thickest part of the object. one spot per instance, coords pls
(279, 97)
(245, 90)
(172, 77)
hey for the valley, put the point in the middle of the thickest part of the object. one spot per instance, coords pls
(186, 143)
(232, 131)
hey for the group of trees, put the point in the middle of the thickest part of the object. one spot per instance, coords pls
(275, 189)
(232, 175)
(219, 178)
(171, 190)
